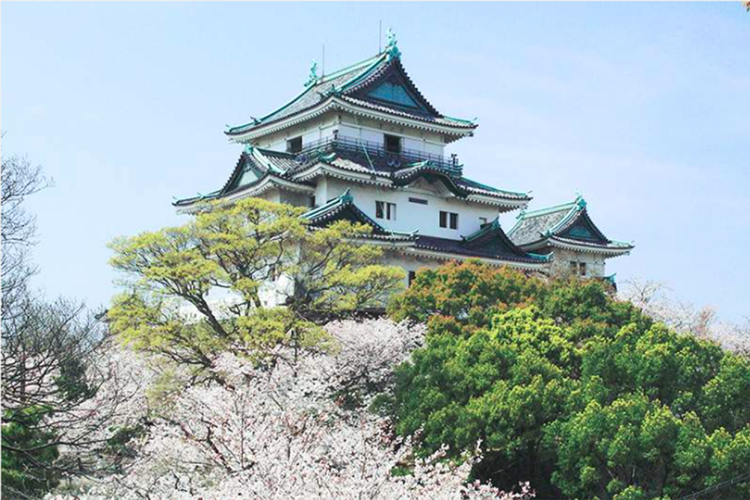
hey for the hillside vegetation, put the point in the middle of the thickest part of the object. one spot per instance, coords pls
(581, 394)
(482, 382)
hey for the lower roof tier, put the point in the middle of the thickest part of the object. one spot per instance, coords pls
(567, 227)
(489, 244)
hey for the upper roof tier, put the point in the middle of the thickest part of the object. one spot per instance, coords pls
(566, 226)
(378, 87)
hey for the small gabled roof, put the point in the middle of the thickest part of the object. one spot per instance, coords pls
(567, 226)
(378, 84)
(341, 208)
(253, 164)
(492, 239)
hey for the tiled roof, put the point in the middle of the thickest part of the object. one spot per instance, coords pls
(489, 242)
(531, 226)
(341, 208)
(458, 247)
(352, 85)
(568, 225)
(438, 120)
(255, 163)
(258, 162)
(313, 94)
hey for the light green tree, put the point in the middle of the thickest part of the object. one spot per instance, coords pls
(201, 288)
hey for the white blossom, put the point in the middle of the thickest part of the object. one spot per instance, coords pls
(286, 433)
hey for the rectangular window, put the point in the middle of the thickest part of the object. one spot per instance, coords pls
(412, 277)
(294, 145)
(454, 221)
(312, 201)
(419, 201)
(392, 143)
(385, 210)
(582, 267)
(573, 267)
(448, 219)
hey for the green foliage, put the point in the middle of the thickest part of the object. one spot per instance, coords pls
(72, 380)
(237, 249)
(465, 292)
(28, 453)
(569, 388)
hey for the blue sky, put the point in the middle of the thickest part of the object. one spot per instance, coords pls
(641, 107)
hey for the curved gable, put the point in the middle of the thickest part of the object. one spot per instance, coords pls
(391, 85)
(583, 228)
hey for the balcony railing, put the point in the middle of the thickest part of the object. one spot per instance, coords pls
(375, 152)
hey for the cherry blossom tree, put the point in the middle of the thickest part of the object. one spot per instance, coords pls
(657, 300)
(301, 428)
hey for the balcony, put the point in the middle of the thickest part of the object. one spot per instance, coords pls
(376, 155)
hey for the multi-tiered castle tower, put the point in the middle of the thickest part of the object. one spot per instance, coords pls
(364, 144)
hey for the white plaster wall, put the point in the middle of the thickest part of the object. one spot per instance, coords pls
(321, 191)
(412, 216)
(272, 195)
(312, 130)
(373, 131)
(410, 263)
(296, 199)
(595, 264)
(354, 127)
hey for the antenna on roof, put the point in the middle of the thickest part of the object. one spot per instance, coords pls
(323, 71)
(380, 36)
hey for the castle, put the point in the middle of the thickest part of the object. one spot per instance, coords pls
(363, 144)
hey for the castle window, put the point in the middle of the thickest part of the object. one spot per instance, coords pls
(392, 143)
(385, 210)
(578, 268)
(294, 145)
(418, 201)
(448, 219)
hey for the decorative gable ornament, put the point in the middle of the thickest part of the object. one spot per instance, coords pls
(312, 78)
(391, 47)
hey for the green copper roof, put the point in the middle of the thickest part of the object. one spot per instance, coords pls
(487, 228)
(353, 73)
(568, 223)
(578, 204)
(479, 185)
(344, 198)
(353, 84)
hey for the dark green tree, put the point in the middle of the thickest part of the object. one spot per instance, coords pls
(568, 388)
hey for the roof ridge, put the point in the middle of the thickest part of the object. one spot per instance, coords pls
(367, 64)
(345, 197)
(261, 158)
(351, 67)
(547, 210)
(285, 154)
(487, 187)
(257, 121)
(483, 230)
